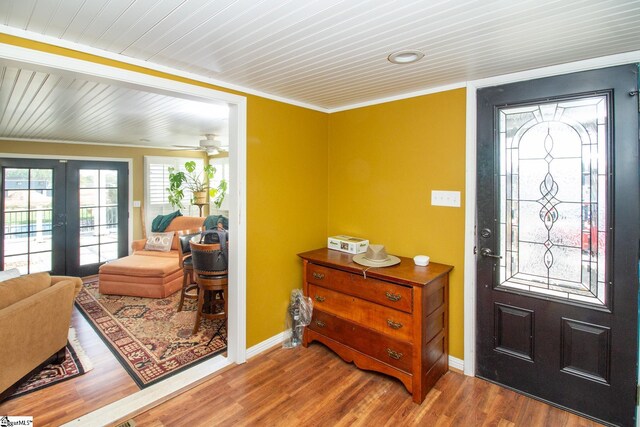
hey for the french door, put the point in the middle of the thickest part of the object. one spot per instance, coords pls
(65, 217)
(558, 235)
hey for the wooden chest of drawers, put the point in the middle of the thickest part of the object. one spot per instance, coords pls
(392, 320)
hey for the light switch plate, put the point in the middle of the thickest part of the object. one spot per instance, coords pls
(445, 198)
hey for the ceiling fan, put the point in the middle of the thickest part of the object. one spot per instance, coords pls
(210, 144)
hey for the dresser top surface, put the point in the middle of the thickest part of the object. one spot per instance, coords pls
(405, 272)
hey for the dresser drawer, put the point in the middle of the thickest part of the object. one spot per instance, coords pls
(388, 294)
(393, 323)
(388, 350)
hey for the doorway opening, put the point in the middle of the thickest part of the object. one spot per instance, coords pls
(21, 57)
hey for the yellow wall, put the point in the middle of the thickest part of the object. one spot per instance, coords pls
(384, 160)
(366, 172)
(287, 206)
(286, 194)
(96, 151)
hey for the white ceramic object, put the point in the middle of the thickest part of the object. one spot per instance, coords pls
(421, 260)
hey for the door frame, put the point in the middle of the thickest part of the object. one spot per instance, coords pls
(469, 273)
(470, 300)
(128, 161)
(606, 363)
(236, 347)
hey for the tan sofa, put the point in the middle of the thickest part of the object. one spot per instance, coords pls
(149, 274)
(35, 315)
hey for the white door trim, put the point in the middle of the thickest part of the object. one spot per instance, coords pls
(236, 351)
(470, 178)
(470, 236)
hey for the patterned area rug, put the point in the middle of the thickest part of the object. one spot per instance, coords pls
(75, 364)
(148, 336)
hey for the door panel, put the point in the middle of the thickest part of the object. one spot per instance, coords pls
(558, 212)
(97, 214)
(33, 216)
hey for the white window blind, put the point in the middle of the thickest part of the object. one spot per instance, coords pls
(156, 184)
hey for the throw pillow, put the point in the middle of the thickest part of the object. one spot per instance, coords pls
(159, 242)
(9, 274)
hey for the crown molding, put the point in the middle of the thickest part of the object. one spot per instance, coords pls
(588, 64)
(407, 95)
(559, 69)
(151, 65)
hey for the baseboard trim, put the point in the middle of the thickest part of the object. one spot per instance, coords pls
(266, 344)
(456, 363)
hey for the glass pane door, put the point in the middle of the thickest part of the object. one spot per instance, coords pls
(33, 220)
(65, 217)
(97, 214)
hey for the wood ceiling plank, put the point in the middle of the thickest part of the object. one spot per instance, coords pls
(61, 16)
(172, 27)
(39, 105)
(248, 36)
(42, 15)
(77, 21)
(28, 102)
(19, 13)
(141, 18)
(333, 53)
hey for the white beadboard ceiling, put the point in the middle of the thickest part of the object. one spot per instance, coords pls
(38, 105)
(332, 53)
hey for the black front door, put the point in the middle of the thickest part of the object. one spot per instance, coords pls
(65, 217)
(557, 240)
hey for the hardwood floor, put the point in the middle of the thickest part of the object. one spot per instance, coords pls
(314, 387)
(299, 387)
(66, 401)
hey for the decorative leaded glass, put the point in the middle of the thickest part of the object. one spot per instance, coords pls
(553, 191)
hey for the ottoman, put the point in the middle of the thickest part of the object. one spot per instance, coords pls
(141, 275)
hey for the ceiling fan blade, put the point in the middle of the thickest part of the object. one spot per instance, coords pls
(188, 148)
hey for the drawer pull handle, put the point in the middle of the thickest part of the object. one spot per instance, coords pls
(319, 298)
(318, 276)
(394, 325)
(320, 323)
(393, 297)
(394, 354)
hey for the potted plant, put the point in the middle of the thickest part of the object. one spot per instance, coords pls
(217, 194)
(196, 182)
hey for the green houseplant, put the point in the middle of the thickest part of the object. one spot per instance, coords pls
(197, 183)
(218, 193)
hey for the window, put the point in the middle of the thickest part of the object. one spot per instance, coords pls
(553, 198)
(156, 183)
(222, 172)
